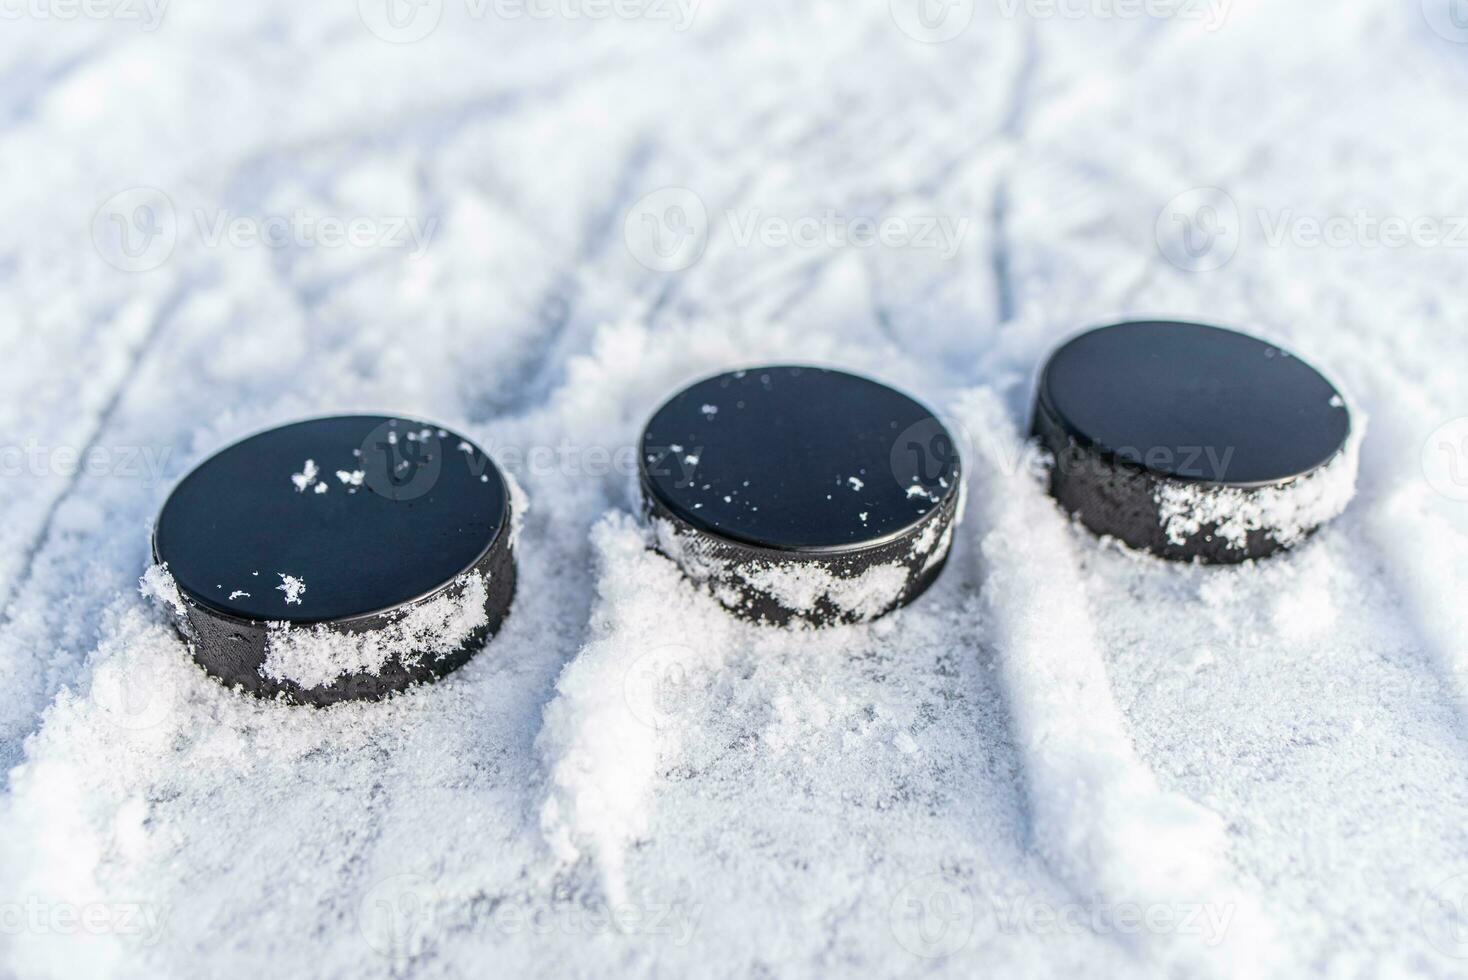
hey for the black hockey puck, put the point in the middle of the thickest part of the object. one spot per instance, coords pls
(337, 558)
(801, 494)
(1193, 442)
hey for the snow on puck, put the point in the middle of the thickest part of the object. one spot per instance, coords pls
(337, 558)
(1192, 441)
(801, 494)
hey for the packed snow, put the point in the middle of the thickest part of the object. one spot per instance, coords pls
(1065, 759)
(810, 588)
(1285, 513)
(315, 656)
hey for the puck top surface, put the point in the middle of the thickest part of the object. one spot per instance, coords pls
(331, 519)
(798, 459)
(1195, 403)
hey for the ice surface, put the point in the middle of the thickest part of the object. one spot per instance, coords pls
(973, 786)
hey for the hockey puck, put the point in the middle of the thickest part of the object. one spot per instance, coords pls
(337, 558)
(1193, 442)
(801, 494)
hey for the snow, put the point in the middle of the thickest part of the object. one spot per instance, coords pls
(1099, 816)
(315, 656)
(609, 720)
(1285, 514)
(803, 587)
(307, 476)
(1066, 758)
(293, 588)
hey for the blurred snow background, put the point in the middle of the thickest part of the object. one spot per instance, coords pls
(530, 221)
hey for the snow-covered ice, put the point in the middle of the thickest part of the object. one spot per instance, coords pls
(1064, 759)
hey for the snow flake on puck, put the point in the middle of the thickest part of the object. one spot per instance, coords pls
(291, 586)
(306, 477)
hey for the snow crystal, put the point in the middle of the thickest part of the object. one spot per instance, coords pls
(292, 587)
(158, 584)
(306, 477)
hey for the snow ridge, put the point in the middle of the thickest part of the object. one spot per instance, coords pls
(1424, 549)
(602, 737)
(1100, 819)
